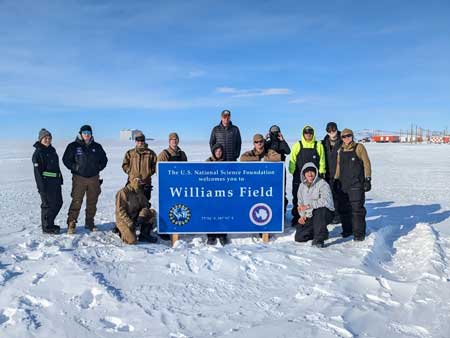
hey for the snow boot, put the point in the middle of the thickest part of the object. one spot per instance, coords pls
(223, 240)
(148, 239)
(359, 239)
(318, 244)
(71, 228)
(211, 241)
(51, 229)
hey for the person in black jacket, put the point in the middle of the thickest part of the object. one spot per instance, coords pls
(85, 158)
(48, 181)
(331, 144)
(276, 149)
(228, 135)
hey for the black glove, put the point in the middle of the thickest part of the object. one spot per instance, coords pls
(367, 184)
(336, 185)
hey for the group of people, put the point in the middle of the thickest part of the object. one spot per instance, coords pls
(330, 178)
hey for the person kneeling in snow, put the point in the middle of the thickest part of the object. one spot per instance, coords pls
(315, 206)
(133, 212)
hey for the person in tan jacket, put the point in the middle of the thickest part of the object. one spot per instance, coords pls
(133, 212)
(257, 153)
(173, 153)
(141, 161)
(351, 181)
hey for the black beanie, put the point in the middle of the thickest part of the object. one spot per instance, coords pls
(331, 125)
(86, 127)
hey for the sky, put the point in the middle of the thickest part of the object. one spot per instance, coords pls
(163, 66)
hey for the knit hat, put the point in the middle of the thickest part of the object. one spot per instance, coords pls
(174, 135)
(331, 125)
(258, 137)
(43, 133)
(225, 112)
(347, 131)
(86, 127)
(139, 136)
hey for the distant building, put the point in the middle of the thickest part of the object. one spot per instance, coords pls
(385, 138)
(127, 134)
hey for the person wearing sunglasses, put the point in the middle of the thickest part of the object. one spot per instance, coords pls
(85, 158)
(48, 181)
(332, 142)
(352, 181)
(257, 153)
(308, 149)
(140, 161)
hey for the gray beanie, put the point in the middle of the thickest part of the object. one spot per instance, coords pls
(43, 133)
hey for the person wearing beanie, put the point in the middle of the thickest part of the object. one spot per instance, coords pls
(351, 181)
(228, 135)
(140, 161)
(315, 207)
(85, 158)
(48, 177)
(133, 213)
(276, 149)
(258, 151)
(308, 149)
(332, 142)
(173, 153)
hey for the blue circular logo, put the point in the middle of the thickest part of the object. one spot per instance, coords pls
(179, 214)
(260, 214)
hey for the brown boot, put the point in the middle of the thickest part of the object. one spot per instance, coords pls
(71, 228)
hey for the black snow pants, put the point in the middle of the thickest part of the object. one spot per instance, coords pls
(352, 211)
(315, 227)
(51, 204)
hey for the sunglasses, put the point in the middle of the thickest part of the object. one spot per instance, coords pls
(309, 132)
(331, 130)
(346, 136)
(258, 142)
(86, 132)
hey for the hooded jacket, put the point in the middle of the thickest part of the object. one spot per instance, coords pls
(140, 162)
(318, 194)
(230, 138)
(213, 158)
(86, 160)
(46, 166)
(131, 204)
(307, 145)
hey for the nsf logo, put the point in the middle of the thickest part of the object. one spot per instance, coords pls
(179, 214)
(260, 214)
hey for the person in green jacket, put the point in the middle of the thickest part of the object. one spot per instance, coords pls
(308, 149)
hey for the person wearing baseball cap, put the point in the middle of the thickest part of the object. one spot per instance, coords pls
(257, 153)
(85, 158)
(228, 135)
(332, 142)
(140, 161)
(352, 180)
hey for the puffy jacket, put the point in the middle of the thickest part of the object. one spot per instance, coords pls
(318, 194)
(140, 162)
(86, 160)
(230, 138)
(130, 205)
(46, 166)
(280, 147)
(307, 145)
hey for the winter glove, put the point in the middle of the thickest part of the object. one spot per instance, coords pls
(367, 184)
(336, 185)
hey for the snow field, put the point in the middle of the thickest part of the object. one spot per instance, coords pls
(395, 284)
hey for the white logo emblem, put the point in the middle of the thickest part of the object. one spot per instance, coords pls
(260, 214)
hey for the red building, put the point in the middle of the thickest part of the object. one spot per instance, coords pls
(385, 138)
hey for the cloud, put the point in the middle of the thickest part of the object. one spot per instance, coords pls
(234, 92)
(196, 73)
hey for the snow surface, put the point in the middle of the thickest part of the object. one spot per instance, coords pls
(395, 284)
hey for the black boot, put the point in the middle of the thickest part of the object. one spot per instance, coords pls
(51, 229)
(148, 239)
(318, 244)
